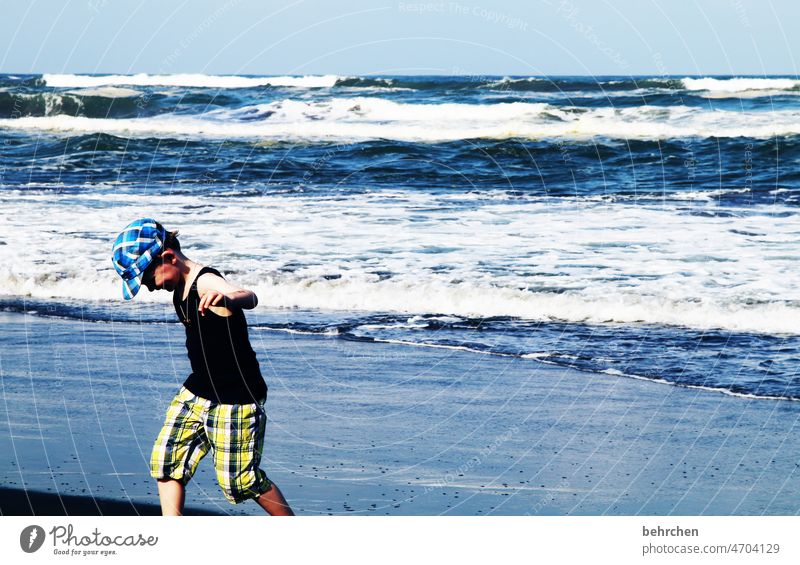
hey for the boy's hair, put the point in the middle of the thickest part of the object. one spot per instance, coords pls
(171, 241)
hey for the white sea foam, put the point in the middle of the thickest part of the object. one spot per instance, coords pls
(106, 92)
(717, 95)
(540, 260)
(187, 80)
(739, 85)
(485, 300)
(362, 118)
(707, 195)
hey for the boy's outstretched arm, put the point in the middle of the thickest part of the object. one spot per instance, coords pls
(213, 289)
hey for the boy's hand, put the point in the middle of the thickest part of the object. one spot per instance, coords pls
(210, 298)
(211, 288)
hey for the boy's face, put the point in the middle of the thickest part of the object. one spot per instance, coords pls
(162, 273)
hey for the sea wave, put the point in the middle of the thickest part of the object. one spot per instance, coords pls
(187, 80)
(599, 85)
(469, 300)
(537, 84)
(746, 86)
(91, 102)
(357, 119)
(421, 253)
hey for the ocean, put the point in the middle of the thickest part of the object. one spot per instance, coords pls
(635, 227)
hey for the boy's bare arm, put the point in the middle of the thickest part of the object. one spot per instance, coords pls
(212, 289)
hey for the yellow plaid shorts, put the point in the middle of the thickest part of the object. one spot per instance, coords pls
(233, 432)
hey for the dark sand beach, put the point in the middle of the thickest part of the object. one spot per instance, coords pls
(373, 428)
(19, 502)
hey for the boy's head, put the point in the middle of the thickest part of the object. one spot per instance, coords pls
(139, 246)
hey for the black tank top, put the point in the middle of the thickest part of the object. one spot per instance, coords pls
(224, 365)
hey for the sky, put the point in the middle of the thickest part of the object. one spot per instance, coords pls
(358, 37)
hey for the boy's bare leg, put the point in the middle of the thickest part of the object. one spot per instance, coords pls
(172, 495)
(273, 502)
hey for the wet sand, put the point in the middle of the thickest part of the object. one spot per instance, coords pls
(370, 428)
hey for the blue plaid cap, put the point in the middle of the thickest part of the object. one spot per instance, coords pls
(134, 249)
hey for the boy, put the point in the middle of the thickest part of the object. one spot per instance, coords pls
(220, 407)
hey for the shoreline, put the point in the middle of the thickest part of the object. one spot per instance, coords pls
(10, 307)
(377, 428)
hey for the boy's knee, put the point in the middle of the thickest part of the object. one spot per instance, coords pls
(244, 487)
